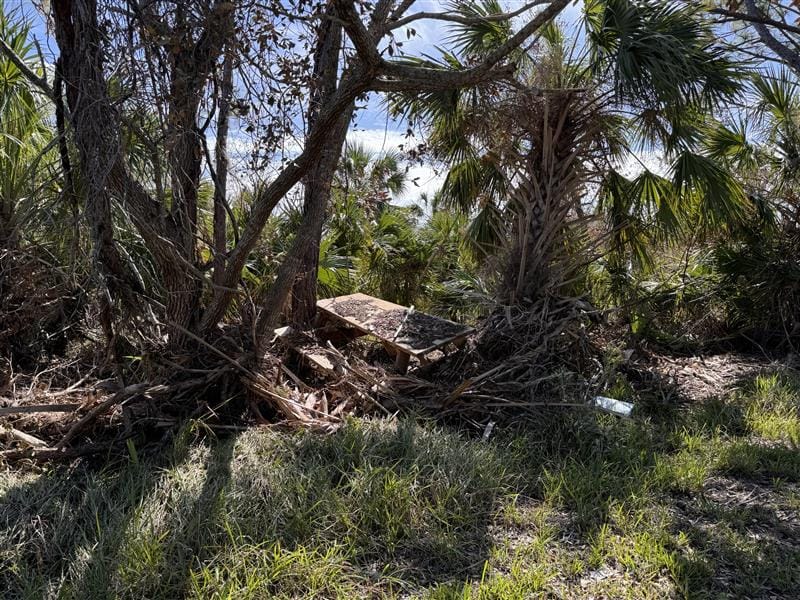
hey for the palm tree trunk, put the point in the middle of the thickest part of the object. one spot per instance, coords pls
(541, 201)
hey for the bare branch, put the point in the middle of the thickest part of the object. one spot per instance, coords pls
(755, 18)
(789, 56)
(456, 18)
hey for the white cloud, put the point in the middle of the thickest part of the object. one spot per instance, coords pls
(425, 180)
(381, 140)
(422, 178)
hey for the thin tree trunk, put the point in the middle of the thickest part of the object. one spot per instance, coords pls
(306, 242)
(317, 184)
(221, 157)
(317, 200)
(191, 63)
(63, 153)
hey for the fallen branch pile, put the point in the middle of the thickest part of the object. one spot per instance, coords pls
(520, 361)
(88, 417)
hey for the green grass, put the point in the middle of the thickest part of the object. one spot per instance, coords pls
(694, 502)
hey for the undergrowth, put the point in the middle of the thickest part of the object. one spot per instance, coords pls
(699, 501)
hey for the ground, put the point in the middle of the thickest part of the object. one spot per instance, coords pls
(696, 498)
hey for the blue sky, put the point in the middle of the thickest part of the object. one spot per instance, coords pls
(372, 128)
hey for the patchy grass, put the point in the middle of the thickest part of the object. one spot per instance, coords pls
(697, 502)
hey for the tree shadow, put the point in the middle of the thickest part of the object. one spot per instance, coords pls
(394, 501)
(744, 532)
(69, 529)
(99, 533)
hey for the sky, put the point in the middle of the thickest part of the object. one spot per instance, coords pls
(372, 128)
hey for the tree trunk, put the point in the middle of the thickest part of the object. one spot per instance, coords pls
(192, 62)
(221, 170)
(317, 184)
(96, 129)
(63, 153)
(316, 202)
(306, 243)
(546, 188)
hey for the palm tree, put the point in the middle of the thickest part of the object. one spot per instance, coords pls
(758, 263)
(36, 290)
(24, 133)
(371, 178)
(650, 68)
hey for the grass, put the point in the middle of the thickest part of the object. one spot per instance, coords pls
(694, 502)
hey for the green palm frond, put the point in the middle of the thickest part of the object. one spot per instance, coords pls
(487, 231)
(710, 190)
(335, 272)
(656, 197)
(471, 180)
(621, 202)
(731, 144)
(777, 95)
(27, 168)
(659, 54)
(483, 36)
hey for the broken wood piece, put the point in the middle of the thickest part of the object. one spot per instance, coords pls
(456, 393)
(46, 453)
(34, 408)
(304, 345)
(25, 438)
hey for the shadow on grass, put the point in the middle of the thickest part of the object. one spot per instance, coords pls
(70, 532)
(392, 502)
(383, 508)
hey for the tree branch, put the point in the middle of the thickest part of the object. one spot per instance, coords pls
(456, 18)
(789, 56)
(362, 40)
(39, 82)
(398, 77)
(754, 18)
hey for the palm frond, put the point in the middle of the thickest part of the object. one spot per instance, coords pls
(710, 190)
(482, 36)
(659, 54)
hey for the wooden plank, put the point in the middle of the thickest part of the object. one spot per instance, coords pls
(380, 306)
(25, 438)
(293, 340)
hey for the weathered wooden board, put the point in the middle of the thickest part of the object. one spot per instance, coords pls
(305, 346)
(417, 336)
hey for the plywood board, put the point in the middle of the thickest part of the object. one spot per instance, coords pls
(415, 334)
